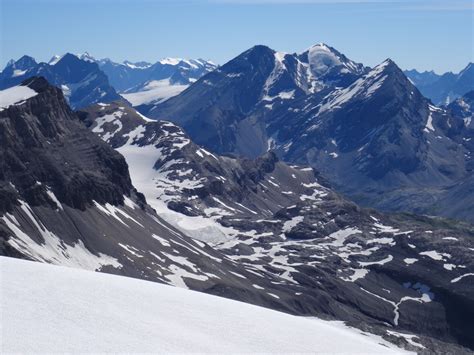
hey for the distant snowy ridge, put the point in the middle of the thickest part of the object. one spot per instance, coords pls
(58, 309)
(154, 91)
(86, 80)
(153, 82)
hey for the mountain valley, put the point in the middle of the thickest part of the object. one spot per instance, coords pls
(304, 183)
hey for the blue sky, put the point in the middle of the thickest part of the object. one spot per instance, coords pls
(421, 34)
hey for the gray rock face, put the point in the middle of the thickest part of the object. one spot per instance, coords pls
(392, 274)
(81, 80)
(443, 89)
(31, 140)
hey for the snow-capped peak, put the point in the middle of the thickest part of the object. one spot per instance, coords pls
(381, 68)
(87, 57)
(138, 65)
(56, 58)
(204, 62)
(321, 45)
(171, 61)
(193, 63)
(386, 63)
(323, 58)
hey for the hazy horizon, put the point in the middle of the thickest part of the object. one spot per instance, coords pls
(419, 34)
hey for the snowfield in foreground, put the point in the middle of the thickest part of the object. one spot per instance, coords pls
(48, 308)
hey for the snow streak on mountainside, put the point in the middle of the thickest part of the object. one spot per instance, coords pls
(89, 312)
(282, 221)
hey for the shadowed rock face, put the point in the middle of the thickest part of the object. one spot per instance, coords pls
(387, 272)
(43, 141)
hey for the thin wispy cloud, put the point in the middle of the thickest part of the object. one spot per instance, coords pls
(413, 5)
(439, 6)
(296, 2)
(409, 5)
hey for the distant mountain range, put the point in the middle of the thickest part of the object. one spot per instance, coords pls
(317, 107)
(145, 83)
(127, 76)
(443, 89)
(81, 81)
(370, 132)
(86, 80)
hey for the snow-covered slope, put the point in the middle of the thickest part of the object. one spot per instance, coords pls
(49, 309)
